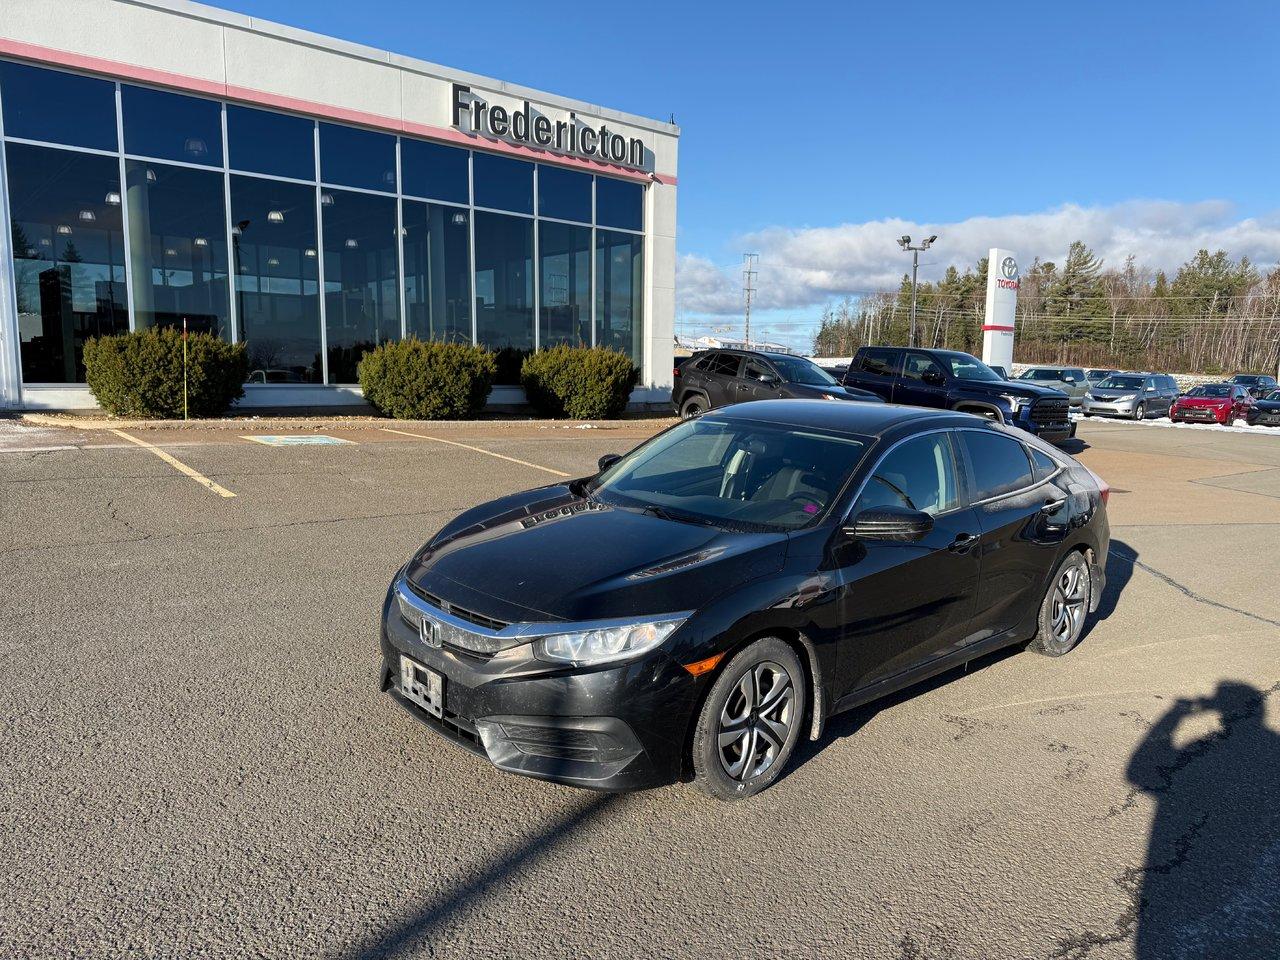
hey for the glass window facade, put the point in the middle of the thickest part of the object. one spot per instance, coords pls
(564, 194)
(178, 247)
(58, 107)
(68, 249)
(361, 278)
(434, 171)
(295, 236)
(502, 183)
(170, 126)
(259, 141)
(620, 292)
(437, 271)
(277, 279)
(564, 252)
(619, 203)
(357, 158)
(504, 290)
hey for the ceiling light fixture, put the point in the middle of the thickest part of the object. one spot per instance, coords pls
(88, 216)
(200, 242)
(275, 216)
(64, 230)
(112, 198)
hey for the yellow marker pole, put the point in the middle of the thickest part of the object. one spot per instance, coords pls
(184, 369)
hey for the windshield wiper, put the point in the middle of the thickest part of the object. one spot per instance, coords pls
(664, 514)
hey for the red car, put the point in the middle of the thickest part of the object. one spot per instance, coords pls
(1212, 403)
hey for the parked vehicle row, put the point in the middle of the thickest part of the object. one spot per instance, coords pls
(950, 380)
(701, 604)
(718, 378)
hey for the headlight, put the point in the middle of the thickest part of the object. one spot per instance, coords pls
(1126, 398)
(606, 644)
(828, 396)
(1015, 401)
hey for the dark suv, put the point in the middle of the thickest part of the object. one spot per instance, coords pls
(718, 378)
(950, 380)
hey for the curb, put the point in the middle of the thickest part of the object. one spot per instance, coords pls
(314, 424)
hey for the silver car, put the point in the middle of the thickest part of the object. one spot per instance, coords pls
(1133, 395)
(1070, 380)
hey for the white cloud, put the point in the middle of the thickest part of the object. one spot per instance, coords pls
(802, 267)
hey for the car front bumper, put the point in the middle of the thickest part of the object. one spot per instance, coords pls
(1109, 408)
(607, 728)
(1200, 415)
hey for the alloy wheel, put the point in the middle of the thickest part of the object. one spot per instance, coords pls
(1070, 598)
(756, 721)
(1140, 412)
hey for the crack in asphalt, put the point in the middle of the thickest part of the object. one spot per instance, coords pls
(1130, 881)
(1187, 591)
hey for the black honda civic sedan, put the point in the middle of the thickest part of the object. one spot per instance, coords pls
(704, 601)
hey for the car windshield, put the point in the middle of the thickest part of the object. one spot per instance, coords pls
(1274, 395)
(1048, 374)
(800, 370)
(1122, 383)
(735, 474)
(1210, 390)
(964, 367)
(1245, 379)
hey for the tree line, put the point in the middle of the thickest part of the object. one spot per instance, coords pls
(1215, 315)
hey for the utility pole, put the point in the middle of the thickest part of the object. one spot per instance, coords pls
(749, 263)
(905, 243)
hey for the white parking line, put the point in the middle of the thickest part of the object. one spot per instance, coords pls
(467, 446)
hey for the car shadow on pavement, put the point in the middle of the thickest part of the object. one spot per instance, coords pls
(406, 937)
(1210, 882)
(1120, 564)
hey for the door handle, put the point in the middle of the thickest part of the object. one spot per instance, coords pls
(962, 543)
(1053, 506)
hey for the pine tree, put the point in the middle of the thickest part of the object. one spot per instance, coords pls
(1078, 295)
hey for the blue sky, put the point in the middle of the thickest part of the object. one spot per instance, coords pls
(816, 133)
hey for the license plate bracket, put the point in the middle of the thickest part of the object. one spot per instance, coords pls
(422, 685)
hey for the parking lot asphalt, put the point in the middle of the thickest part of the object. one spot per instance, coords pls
(197, 762)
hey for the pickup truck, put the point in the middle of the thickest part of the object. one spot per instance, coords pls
(950, 380)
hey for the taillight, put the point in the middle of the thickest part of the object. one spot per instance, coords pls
(1104, 488)
(675, 372)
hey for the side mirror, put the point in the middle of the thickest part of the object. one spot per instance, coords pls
(607, 461)
(769, 379)
(933, 377)
(896, 524)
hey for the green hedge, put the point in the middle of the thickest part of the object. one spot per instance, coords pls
(427, 380)
(140, 374)
(585, 383)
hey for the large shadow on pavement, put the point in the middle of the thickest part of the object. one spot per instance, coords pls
(424, 922)
(1210, 884)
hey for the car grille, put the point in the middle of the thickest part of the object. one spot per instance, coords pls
(479, 619)
(1050, 410)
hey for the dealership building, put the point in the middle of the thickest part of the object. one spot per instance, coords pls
(164, 162)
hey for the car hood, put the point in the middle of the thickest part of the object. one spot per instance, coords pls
(804, 390)
(1017, 388)
(550, 554)
(1204, 401)
(1268, 405)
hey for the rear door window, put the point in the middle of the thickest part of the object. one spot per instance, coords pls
(880, 361)
(724, 365)
(999, 463)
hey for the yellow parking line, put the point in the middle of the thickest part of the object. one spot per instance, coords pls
(177, 464)
(467, 446)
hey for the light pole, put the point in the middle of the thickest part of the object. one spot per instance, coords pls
(905, 243)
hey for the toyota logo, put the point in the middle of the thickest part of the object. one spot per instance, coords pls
(1009, 267)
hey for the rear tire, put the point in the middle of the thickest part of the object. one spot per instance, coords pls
(693, 407)
(750, 722)
(1065, 607)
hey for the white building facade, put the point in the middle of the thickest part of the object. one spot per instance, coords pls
(164, 162)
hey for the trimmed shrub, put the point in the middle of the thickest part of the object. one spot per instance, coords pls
(427, 380)
(584, 383)
(140, 374)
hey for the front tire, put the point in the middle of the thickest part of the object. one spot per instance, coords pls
(693, 407)
(750, 722)
(1140, 411)
(1065, 607)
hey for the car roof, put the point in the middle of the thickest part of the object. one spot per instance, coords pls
(866, 419)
